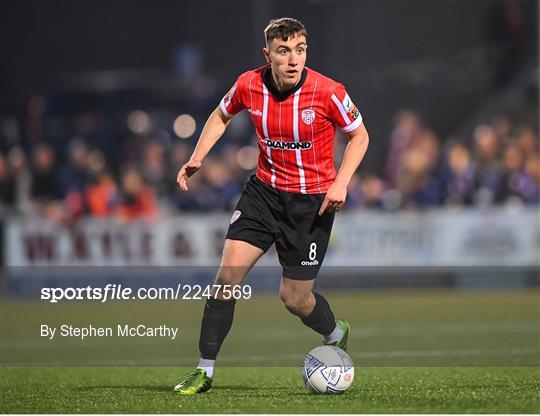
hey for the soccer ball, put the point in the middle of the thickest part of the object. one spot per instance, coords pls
(327, 370)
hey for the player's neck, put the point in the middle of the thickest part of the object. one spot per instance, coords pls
(281, 87)
(283, 93)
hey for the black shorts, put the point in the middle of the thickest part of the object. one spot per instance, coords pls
(265, 215)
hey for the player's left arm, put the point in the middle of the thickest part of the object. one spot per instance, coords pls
(352, 157)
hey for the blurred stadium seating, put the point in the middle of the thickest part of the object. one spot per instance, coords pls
(132, 175)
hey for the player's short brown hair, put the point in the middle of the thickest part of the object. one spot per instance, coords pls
(283, 28)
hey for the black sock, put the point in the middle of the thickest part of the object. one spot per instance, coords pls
(216, 323)
(322, 319)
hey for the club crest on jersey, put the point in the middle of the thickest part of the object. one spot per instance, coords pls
(276, 144)
(236, 214)
(308, 116)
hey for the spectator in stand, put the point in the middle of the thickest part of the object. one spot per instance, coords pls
(407, 129)
(7, 185)
(502, 127)
(19, 170)
(45, 185)
(430, 144)
(459, 175)
(75, 176)
(488, 168)
(531, 186)
(413, 178)
(154, 167)
(419, 172)
(514, 184)
(372, 192)
(527, 140)
(137, 200)
(223, 187)
(101, 197)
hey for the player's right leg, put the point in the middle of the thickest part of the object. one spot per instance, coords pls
(251, 232)
(238, 258)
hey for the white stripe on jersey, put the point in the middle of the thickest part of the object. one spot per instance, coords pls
(348, 125)
(224, 109)
(223, 105)
(265, 131)
(353, 125)
(313, 142)
(341, 109)
(283, 152)
(298, 152)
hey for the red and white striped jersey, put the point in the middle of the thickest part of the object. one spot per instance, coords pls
(295, 129)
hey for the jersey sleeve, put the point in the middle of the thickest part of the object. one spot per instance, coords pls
(342, 110)
(231, 103)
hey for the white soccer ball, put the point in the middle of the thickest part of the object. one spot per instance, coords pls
(327, 370)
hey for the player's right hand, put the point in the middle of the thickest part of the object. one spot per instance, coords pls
(186, 171)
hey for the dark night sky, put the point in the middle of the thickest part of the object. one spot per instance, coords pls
(39, 39)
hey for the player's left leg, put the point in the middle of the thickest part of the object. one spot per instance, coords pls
(301, 244)
(313, 310)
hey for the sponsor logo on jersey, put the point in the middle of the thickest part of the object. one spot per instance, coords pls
(347, 103)
(350, 107)
(228, 96)
(310, 263)
(308, 116)
(276, 144)
(236, 214)
(256, 112)
(354, 112)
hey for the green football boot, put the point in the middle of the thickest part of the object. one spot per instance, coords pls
(342, 343)
(194, 383)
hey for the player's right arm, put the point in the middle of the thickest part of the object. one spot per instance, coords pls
(212, 131)
(215, 126)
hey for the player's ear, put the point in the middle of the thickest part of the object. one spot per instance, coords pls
(266, 53)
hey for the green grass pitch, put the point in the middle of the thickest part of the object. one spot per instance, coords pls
(414, 352)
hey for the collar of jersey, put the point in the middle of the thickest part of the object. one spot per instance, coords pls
(268, 80)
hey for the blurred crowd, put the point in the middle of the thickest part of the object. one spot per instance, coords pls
(499, 164)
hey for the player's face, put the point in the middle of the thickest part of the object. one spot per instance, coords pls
(287, 59)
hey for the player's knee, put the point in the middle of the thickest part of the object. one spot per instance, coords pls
(228, 276)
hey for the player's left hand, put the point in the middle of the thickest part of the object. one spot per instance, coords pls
(334, 199)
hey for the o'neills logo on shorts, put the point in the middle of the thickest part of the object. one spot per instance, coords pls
(276, 144)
